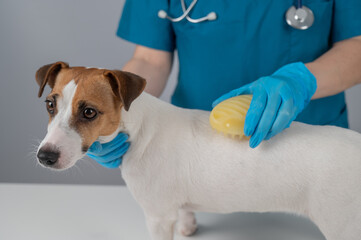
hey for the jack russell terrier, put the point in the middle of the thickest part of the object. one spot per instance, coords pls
(178, 164)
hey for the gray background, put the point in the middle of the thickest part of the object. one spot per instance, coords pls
(82, 32)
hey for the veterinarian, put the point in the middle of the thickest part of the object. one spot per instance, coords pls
(283, 52)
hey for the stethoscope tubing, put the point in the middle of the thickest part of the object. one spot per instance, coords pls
(299, 4)
(185, 12)
(198, 20)
(210, 16)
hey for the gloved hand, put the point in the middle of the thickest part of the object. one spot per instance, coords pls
(276, 102)
(110, 154)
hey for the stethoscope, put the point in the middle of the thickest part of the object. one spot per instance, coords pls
(300, 17)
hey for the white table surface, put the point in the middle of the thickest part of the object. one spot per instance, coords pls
(68, 212)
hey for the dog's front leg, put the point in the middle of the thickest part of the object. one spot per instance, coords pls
(161, 228)
(187, 224)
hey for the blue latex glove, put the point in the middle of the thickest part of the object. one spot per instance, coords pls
(276, 102)
(110, 154)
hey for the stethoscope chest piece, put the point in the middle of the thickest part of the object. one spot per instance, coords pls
(300, 18)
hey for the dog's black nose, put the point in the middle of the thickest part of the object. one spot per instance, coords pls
(48, 157)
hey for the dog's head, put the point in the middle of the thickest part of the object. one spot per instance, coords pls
(84, 104)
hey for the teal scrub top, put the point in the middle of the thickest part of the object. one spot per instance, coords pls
(249, 39)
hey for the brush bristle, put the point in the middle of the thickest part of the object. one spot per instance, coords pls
(229, 116)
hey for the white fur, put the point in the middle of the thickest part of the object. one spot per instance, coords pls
(60, 133)
(177, 162)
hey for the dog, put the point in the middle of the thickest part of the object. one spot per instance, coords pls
(177, 164)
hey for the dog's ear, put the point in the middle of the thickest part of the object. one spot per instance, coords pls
(47, 74)
(126, 86)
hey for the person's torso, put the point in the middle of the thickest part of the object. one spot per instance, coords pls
(249, 39)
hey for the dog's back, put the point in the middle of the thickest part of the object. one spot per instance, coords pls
(310, 170)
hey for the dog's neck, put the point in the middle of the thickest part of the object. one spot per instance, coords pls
(144, 109)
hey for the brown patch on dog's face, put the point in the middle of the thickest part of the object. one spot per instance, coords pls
(95, 110)
(63, 77)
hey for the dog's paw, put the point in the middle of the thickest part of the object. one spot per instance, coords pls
(187, 228)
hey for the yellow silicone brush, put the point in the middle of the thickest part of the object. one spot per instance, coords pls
(228, 116)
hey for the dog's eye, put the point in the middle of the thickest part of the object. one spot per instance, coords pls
(89, 113)
(50, 106)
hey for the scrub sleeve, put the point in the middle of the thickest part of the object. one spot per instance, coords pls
(141, 25)
(347, 21)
